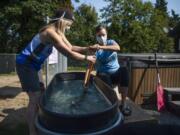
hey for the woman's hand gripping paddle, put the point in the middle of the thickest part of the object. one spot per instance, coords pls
(87, 75)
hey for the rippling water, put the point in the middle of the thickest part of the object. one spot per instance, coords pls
(68, 97)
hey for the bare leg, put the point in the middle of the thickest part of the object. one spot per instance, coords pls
(40, 75)
(116, 89)
(32, 111)
(121, 93)
(124, 92)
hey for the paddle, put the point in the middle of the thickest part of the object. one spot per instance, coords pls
(87, 75)
(159, 89)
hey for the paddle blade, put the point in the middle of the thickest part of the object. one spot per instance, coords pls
(160, 97)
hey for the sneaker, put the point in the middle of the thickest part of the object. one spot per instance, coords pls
(126, 111)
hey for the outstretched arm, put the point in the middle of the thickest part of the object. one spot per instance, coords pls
(114, 47)
(74, 47)
(62, 47)
(79, 48)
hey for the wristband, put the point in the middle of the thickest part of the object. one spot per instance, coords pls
(98, 47)
(85, 57)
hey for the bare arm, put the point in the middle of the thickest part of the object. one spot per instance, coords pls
(74, 47)
(114, 47)
(62, 47)
(79, 48)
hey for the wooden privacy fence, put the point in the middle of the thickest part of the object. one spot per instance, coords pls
(143, 75)
(143, 83)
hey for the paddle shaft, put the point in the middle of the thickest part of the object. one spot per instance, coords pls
(88, 73)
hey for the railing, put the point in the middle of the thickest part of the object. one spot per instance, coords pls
(7, 63)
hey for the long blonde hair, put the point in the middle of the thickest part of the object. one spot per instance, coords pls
(59, 25)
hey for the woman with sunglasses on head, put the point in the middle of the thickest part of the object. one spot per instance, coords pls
(29, 61)
(108, 67)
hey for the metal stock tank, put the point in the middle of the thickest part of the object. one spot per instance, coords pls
(66, 108)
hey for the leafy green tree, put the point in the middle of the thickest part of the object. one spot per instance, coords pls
(21, 19)
(161, 5)
(136, 26)
(83, 29)
(76, 0)
(174, 19)
(82, 32)
(162, 21)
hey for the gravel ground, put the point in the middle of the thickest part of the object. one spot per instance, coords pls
(12, 102)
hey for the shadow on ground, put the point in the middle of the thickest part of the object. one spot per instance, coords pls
(148, 129)
(14, 122)
(9, 92)
(130, 129)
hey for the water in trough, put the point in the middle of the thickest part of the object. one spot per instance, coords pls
(69, 97)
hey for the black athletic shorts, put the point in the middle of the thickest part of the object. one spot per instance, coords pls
(121, 76)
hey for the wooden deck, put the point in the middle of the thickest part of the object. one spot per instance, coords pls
(141, 123)
(138, 115)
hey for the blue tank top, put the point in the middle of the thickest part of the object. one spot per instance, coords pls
(35, 53)
(107, 61)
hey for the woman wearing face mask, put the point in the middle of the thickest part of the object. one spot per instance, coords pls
(108, 68)
(29, 61)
